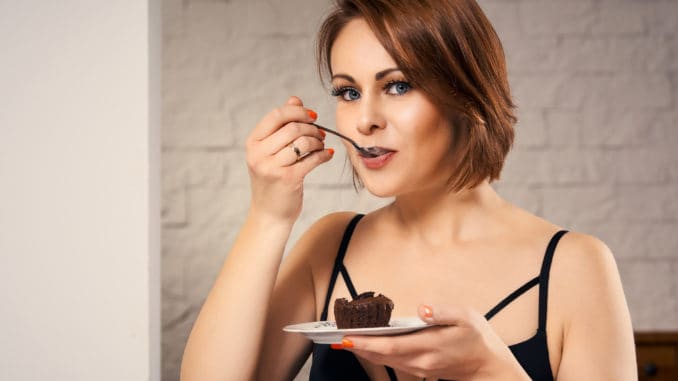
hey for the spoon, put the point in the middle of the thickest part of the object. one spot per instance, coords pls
(364, 151)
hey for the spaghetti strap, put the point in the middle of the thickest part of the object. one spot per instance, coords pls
(391, 373)
(544, 278)
(541, 280)
(348, 281)
(339, 265)
(514, 295)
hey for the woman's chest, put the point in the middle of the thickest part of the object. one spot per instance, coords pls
(479, 283)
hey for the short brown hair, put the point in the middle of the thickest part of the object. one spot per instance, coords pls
(449, 50)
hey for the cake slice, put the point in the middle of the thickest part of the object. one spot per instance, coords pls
(365, 311)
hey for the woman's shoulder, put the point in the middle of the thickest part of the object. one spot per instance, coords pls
(584, 259)
(330, 225)
(589, 301)
(584, 277)
(575, 250)
(578, 243)
(320, 241)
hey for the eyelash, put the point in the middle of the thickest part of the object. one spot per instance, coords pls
(340, 91)
(394, 82)
(337, 91)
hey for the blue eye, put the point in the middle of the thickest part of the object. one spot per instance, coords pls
(351, 95)
(346, 93)
(398, 88)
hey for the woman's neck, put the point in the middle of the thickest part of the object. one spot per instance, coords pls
(440, 217)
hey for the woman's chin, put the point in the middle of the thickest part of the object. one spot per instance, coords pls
(381, 190)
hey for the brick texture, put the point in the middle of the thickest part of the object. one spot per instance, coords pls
(596, 82)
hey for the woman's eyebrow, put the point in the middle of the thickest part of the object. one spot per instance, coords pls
(380, 75)
(344, 76)
(383, 73)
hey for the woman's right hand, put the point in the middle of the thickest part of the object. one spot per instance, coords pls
(276, 169)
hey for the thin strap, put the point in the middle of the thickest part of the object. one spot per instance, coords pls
(347, 280)
(544, 278)
(514, 295)
(391, 373)
(339, 265)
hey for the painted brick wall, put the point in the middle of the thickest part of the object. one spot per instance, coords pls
(596, 82)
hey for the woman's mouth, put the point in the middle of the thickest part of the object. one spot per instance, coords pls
(380, 157)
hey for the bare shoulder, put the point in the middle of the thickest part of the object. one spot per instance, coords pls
(318, 245)
(586, 280)
(583, 270)
(589, 304)
(575, 251)
(582, 262)
(584, 258)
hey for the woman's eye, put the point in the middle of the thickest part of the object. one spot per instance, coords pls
(350, 94)
(398, 88)
(346, 93)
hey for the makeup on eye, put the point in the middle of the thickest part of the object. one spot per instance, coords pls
(347, 93)
(400, 87)
(391, 87)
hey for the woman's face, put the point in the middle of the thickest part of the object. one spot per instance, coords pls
(376, 106)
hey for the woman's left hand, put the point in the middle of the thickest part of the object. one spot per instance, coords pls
(462, 346)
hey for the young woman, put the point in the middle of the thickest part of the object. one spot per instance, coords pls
(512, 297)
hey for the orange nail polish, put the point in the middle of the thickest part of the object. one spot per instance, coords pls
(336, 346)
(312, 114)
(331, 151)
(428, 312)
(347, 343)
(322, 133)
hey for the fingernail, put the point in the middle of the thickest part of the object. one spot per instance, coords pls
(336, 346)
(322, 133)
(312, 114)
(428, 312)
(330, 151)
(347, 343)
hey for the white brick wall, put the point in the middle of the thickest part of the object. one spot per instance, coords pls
(596, 82)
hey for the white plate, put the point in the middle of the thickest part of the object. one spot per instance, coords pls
(326, 332)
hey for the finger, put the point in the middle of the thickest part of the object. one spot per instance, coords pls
(404, 364)
(312, 160)
(444, 315)
(304, 145)
(412, 353)
(393, 353)
(390, 346)
(288, 134)
(279, 117)
(294, 101)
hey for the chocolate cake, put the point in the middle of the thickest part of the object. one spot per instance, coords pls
(365, 311)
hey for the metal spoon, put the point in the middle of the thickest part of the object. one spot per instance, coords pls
(364, 151)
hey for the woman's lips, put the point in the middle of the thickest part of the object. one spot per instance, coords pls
(379, 161)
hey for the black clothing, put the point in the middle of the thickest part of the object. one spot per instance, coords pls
(532, 354)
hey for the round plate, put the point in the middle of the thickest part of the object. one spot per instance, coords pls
(326, 332)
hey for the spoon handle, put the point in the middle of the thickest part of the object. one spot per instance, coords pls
(339, 135)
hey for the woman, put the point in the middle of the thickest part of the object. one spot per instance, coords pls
(426, 82)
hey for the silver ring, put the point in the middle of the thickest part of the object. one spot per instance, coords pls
(296, 150)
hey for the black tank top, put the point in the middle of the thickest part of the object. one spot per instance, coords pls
(532, 354)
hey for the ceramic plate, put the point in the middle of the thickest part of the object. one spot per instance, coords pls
(326, 332)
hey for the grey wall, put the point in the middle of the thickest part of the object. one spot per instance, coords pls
(596, 82)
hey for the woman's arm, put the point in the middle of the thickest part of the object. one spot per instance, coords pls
(294, 298)
(598, 336)
(226, 338)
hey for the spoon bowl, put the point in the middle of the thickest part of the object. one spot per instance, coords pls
(364, 151)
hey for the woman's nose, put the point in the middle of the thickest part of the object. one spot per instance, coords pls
(370, 118)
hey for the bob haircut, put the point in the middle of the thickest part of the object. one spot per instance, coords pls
(450, 51)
